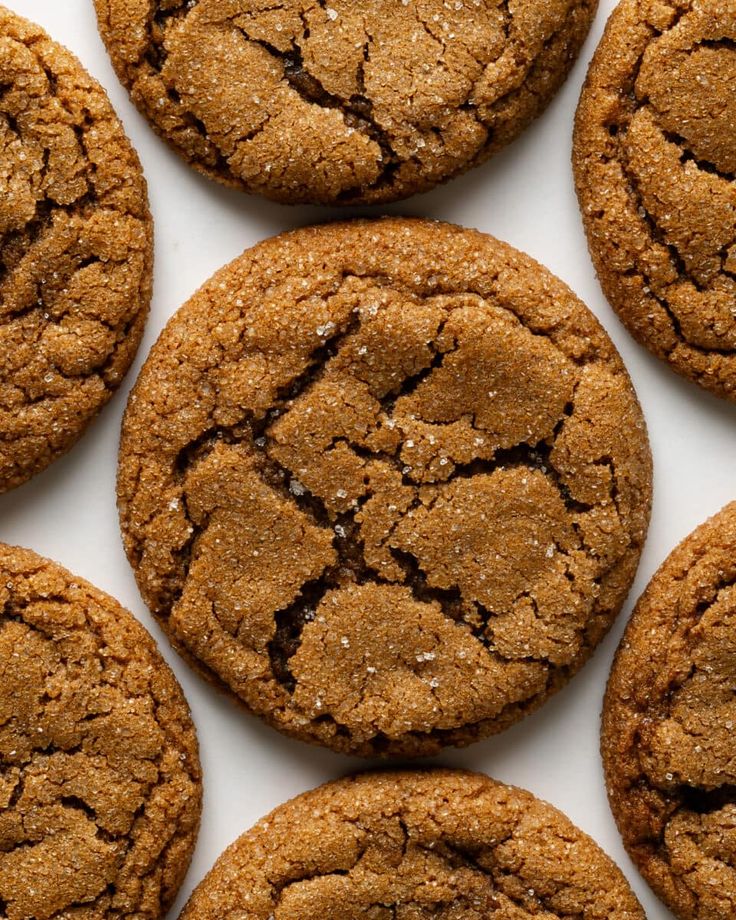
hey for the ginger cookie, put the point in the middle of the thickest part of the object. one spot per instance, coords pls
(100, 782)
(75, 250)
(439, 843)
(655, 168)
(668, 726)
(387, 481)
(342, 102)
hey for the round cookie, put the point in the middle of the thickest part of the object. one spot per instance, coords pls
(668, 720)
(75, 250)
(387, 481)
(655, 169)
(442, 843)
(342, 102)
(100, 784)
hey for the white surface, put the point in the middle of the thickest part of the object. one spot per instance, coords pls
(524, 196)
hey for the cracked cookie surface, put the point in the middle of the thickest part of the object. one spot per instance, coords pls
(669, 715)
(75, 250)
(410, 845)
(655, 165)
(341, 101)
(387, 481)
(100, 781)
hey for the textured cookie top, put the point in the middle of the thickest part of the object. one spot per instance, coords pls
(393, 846)
(75, 250)
(668, 728)
(99, 772)
(655, 163)
(344, 101)
(388, 481)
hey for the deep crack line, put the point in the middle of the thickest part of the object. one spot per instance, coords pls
(677, 262)
(357, 110)
(351, 565)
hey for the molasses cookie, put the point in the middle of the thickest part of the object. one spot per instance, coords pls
(387, 481)
(75, 250)
(439, 843)
(341, 102)
(655, 167)
(99, 774)
(668, 726)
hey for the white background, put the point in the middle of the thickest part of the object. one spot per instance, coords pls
(525, 196)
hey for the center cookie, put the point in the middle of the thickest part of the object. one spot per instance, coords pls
(387, 482)
(346, 101)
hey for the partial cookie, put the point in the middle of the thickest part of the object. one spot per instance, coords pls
(668, 726)
(75, 250)
(442, 843)
(100, 784)
(346, 102)
(655, 168)
(386, 481)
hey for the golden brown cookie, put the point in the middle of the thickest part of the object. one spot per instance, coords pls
(100, 782)
(387, 481)
(668, 726)
(75, 250)
(441, 843)
(341, 102)
(655, 168)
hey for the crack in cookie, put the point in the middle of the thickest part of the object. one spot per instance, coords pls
(655, 159)
(75, 251)
(387, 482)
(341, 103)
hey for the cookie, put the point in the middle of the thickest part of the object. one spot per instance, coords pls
(668, 720)
(75, 250)
(438, 843)
(387, 481)
(655, 168)
(346, 102)
(100, 783)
